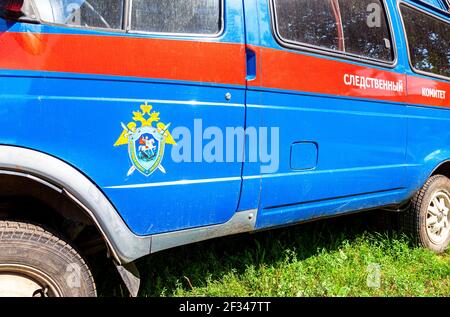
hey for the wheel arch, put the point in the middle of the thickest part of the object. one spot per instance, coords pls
(442, 169)
(65, 179)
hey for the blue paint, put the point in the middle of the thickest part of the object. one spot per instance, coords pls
(304, 155)
(363, 153)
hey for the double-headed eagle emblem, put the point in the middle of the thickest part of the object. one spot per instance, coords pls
(146, 138)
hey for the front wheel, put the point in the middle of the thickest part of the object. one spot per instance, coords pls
(428, 220)
(37, 263)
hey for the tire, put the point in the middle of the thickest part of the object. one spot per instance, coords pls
(35, 262)
(421, 223)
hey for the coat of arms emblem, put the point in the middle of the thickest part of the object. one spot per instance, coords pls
(146, 138)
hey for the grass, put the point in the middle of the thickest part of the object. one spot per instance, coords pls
(336, 257)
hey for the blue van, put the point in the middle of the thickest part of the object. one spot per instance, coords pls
(139, 126)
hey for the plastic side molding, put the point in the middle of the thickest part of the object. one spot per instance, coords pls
(125, 246)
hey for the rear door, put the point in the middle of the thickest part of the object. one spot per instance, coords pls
(331, 81)
(427, 35)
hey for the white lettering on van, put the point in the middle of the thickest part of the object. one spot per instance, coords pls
(434, 93)
(363, 82)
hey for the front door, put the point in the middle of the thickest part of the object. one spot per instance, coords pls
(183, 179)
(145, 90)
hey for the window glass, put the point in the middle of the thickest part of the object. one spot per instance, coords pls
(176, 16)
(429, 42)
(366, 30)
(85, 13)
(357, 27)
(308, 22)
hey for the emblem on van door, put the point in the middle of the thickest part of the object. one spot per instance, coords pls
(146, 138)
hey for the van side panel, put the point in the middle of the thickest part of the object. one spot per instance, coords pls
(343, 147)
(67, 92)
(428, 142)
(428, 114)
(360, 134)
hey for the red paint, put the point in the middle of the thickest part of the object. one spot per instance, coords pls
(294, 71)
(124, 56)
(210, 62)
(415, 94)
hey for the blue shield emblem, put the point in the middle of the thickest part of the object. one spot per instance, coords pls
(146, 149)
(146, 137)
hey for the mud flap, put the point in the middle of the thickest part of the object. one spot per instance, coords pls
(131, 278)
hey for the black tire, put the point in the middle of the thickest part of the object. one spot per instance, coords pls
(414, 221)
(30, 251)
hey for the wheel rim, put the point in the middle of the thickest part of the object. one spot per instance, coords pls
(438, 220)
(23, 281)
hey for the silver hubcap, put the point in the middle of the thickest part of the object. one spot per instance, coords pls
(438, 218)
(23, 281)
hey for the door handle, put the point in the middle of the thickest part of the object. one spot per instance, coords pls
(251, 64)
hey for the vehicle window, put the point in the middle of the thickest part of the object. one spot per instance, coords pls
(308, 22)
(85, 13)
(366, 30)
(429, 42)
(176, 16)
(358, 27)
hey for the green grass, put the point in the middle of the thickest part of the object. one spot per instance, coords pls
(326, 258)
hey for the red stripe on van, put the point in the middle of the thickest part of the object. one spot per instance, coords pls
(210, 62)
(300, 72)
(423, 91)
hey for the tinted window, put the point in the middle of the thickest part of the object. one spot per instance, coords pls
(86, 13)
(429, 42)
(357, 27)
(306, 21)
(366, 30)
(176, 16)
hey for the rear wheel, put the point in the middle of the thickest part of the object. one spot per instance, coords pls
(428, 220)
(37, 263)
